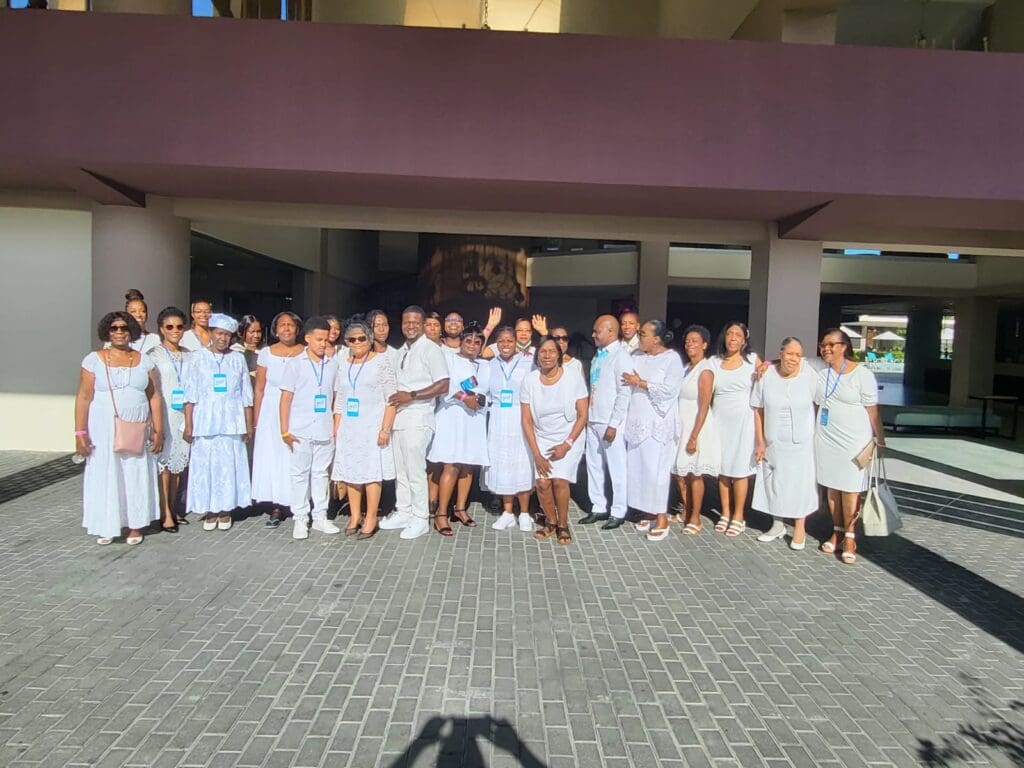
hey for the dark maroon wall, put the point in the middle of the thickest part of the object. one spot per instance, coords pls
(115, 91)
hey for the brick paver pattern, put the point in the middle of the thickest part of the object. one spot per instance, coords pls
(249, 648)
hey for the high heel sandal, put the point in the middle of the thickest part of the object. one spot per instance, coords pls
(469, 522)
(446, 530)
(849, 557)
(829, 546)
(564, 537)
(352, 530)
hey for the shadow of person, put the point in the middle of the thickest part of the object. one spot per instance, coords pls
(457, 740)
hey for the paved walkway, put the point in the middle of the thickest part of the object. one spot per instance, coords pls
(248, 648)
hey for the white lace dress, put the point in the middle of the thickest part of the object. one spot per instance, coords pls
(119, 491)
(511, 469)
(707, 460)
(172, 368)
(357, 457)
(271, 459)
(652, 431)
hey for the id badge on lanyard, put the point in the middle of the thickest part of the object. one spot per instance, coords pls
(506, 398)
(352, 406)
(178, 399)
(823, 417)
(220, 382)
(319, 403)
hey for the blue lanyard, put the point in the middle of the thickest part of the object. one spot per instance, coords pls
(828, 378)
(508, 376)
(177, 366)
(218, 362)
(320, 376)
(351, 381)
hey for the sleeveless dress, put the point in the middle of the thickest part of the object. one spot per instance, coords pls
(734, 418)
(271, 459)
(357, 457)
(119, 491)
(708, 458)
(174, 457)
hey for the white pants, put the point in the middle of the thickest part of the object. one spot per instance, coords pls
(311, 461)
(410, 446)
(602, 454)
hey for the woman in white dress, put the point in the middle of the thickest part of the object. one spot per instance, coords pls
(734, 418)
(120, 488)
(271, 459)
(362, 426)
(334, 344)
(783, 401)
(569, 363)
(848, 420)
(198, 336)
(554, 411)
(218, 423)
(381, 329)
(652, 425)
(250, 341)
(699, 451)
(171, 362)
(510, 473)
(135, 305)
(460, 432)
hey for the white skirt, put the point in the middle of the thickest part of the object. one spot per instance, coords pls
(735, 422)
(218, 474)
(460, 437)
(174, 457)
(708, 458)
(271, 459)
(511, 469)
(566, 468)
(647, 466)
(786, 485)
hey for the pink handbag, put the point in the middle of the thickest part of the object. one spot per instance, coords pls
(129, 436)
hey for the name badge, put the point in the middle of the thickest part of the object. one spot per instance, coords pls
(352, 406)
(319, 403)
(468, 385)
(506, 398)
(220, 382)
(823, 417)
(178, 399)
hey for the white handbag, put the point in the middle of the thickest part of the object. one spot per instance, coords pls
(880, 512)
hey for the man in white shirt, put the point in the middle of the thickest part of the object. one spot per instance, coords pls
(307, 427)
(422, 378)
(629, 320)
(606, 449)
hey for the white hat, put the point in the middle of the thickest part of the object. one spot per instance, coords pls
(224, 322)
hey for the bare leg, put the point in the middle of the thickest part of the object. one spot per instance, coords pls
(725, 495)
(445, 490)
(739, 497)
(462, 489)
(507, 504)
(835, 509)
(355, 505)
(681, 485)
(798, 530)
(167, 498)
(546, 499)
(695, 499)
(851, 509)
(371, 492)
(524, 502)
(433, 477)
(561, 494)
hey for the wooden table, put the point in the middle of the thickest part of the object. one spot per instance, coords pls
(986, 400)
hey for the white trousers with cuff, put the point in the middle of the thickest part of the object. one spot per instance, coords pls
(603, 456)
(410, 447)
(311, 464)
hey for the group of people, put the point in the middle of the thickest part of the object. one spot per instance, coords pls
(330, 402)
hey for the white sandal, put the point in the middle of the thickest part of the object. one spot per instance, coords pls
(657, 534)
(736, 527)
(643, 526)
(104, 540)
(133, 540)
(849, 557)
(827, 546)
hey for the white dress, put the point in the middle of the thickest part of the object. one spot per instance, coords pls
(652, 431)
(190, 341)
(218, 474)
(119, 491)
(460, 435)
(146, 342)
(553, 407)
(734, 418)
(575, 367)
(357, 457)
(848, 429)
(708, 458)
(174, 457)
(271, 459)
(786, 485)
(511, 469)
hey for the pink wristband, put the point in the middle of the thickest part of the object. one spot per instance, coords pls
(569, 441)
(81, 432)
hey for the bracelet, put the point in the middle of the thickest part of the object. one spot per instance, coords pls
(569, 441)
(286, 434)
(81, 432)
(413, 394)
(487, 330)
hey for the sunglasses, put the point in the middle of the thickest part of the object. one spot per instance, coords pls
(455, 319)
(355, 339)
(178, 327)
(119, 329)
(560, 338)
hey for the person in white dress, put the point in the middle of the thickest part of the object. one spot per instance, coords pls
(460, 435)
(381, 329)
(523, 329)
(362, 423)
(783, 401)
(734, 417)
(218, 423)
(307, 428)
(629, 323)
(171, 362)
(271, 460)
(135, 305)
(334, 344)
(510, 473)
(198, 336)
(554, 408)
(699, 451)
(652, 425)
(120, 488)
(606, 446)
(250, 341)
(848, 421)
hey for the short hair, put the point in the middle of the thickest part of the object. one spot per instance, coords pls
(433, 316)
(554, 341)
(504, 329)
(789, 340)
(277, 318)
(848, 352)
(522, 320)
(415, 309)
(316, 323)
(247, 322)
(103, 327)
(701, 331)
(745, 350)
(661, 331)
(134, 294)
(629, 311)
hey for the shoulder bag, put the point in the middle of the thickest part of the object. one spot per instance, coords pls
(129, 436)
(880, 513)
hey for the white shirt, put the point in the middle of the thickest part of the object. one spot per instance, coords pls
(420, 365)
(190, 341)
(633, 344)
(609, 397)
(312, 385)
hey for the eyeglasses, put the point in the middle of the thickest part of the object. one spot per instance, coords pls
(355, 339)
(178, 327)
(560, 338)
(831, 344)
(453, 319)
(119, 329)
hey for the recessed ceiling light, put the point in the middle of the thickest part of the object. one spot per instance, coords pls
(220, 263)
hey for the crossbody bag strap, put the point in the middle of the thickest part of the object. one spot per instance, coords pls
(110, 386)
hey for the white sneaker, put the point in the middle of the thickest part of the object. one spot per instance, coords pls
(525, 522)
(300, 531)
(325, 526)
(507, 520)
(395, 521)
(777, 531)
(414, 529)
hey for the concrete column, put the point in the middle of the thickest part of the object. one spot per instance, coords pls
(157, 7)
(923, 348)
(652, 280)
(785, 288)
(145, 248)
(974, 349)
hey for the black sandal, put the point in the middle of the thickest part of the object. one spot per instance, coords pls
(544, 531)
(469, 522)
(446, 530)
(564, 537)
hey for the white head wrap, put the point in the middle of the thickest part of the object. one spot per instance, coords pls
(224, 322)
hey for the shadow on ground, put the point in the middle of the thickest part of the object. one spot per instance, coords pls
(457, 739)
